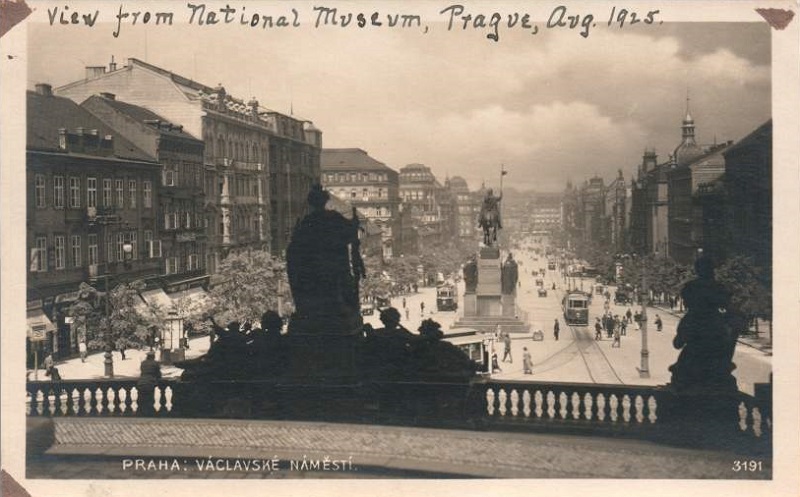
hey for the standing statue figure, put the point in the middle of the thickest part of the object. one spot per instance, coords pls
(489, 218)
(325, 267)
(705, 336)
(509, 276)
(471, 275)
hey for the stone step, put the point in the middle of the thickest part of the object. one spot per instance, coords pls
(490, 319)
(517, 327)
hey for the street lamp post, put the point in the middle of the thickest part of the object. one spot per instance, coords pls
(644, 369)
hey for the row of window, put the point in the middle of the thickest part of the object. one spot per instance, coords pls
(414, 195)
(61, 255)
(113, 192)
(354, 177)
(366, 193)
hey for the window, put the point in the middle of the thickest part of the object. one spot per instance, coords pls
(39, 255)
(58, 192)
(169, 177)
(132, 193)
(109, 248)
(120, 244)
(353, 193)
(170, 220)
(39, 190)
(171, 264)
(380, 192)
(192, 263)
(154, 250)
(59, 250)
(74, 192)
(147, 193)
(93, 253)
(365, 194)
(91, 192)
(107, 193)
(147, 238)
(75, 243)
(120, 184)
(187, 220)
(133, 239)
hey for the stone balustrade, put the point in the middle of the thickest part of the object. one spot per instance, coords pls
(589, 409)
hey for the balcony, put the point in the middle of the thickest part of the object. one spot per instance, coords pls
(652, 414)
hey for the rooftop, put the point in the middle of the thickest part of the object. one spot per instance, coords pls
(349, 159)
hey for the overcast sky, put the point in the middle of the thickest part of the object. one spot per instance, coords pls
(550, 107)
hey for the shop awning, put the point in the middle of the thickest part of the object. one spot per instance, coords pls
(158, 298)
(191, 301)
(38, 325)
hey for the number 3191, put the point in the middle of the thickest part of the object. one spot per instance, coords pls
(746, 466)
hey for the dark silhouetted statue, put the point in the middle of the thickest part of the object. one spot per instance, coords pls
(705, 336)
(489, 219)
(325, 267)
(509, 276)
(471, 275)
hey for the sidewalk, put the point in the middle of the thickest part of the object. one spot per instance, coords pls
(102, 446)
(758, 341)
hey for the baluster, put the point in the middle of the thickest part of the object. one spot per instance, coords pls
(638, 408)
(601, 407)
(503, 397)
(167, 391)
(564, 403)
(93, 401)
(743, 412)
(758, 431)
(587, 401)
(577, 405)
(31, 400)
(540, 405)
(135, 408)
(55, 406)
(514, 402)
(127, 409)
(46, 411)
(652, 407)
(526, 403)
(72, 402)
(490, 397)
(551, 404)
(613, 408)
(626, 408)
(107, 402)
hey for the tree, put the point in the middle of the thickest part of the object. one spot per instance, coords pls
(751, 294)
(121, 319)
(250, 283)
(375, 283)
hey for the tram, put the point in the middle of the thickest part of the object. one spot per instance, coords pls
(446, 298)
(576, 307)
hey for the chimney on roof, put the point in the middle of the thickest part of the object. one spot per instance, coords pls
(113, 65)
(44, 89)
(108, 96)
(95, 71)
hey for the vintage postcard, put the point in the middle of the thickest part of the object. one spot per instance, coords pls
(399, 248)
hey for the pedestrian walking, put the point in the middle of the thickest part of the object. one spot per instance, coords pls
(598, 330)
(495, 365)
(82, 350)
(507, 347)
(556, 329)
(629, 315)
(150, 374)
(527, 361)
(422, 308)
(408, 312)
(121, 348)
(623, 327)
(404, 302)
(659, 324)
(48, 363)
(616, 338)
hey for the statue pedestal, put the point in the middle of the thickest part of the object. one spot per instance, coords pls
(489, 273)
(509, 305)
(322, 348)
(470, 304)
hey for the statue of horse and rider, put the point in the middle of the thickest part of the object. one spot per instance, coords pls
(489, 218)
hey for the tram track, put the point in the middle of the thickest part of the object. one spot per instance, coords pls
(597, 364)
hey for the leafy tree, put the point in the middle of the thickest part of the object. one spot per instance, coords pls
(250, 283)
(375, 283)
(118, 319)
(751, 293)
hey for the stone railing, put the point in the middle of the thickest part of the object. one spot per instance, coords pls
(589, 409)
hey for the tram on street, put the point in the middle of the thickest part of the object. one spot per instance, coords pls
(473, 344)
(446, 298)
(576, 307)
